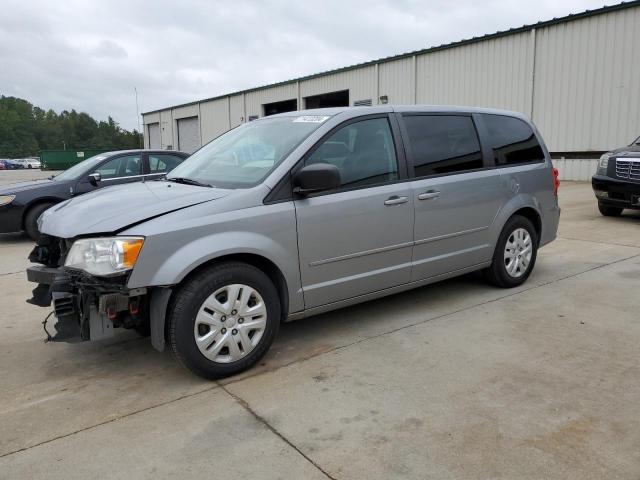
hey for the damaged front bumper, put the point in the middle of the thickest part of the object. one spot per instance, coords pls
(88, 307)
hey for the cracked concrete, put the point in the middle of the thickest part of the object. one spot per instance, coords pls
(454, 380)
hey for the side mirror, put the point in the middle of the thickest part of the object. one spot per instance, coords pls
(94, 178)
(316, 178)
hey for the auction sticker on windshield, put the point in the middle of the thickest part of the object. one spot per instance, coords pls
(311, 118)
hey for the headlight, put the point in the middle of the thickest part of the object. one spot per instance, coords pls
(6, 199)
(603, 163)
(104, 256)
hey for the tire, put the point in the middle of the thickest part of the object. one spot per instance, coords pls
(498, 273)
(29, 166)
(224, 280)
(31, 219)
(608, 211)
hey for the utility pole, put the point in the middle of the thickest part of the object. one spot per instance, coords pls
(138, 117)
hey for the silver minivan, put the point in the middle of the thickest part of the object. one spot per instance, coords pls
(293, 215)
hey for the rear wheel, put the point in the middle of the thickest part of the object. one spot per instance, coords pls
(224, 319)
(515, 253)
(608, 211)
(31, 219)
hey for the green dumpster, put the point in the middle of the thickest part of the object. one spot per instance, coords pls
(63, 159)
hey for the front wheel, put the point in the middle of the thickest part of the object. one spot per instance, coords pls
(515, 254)
(224, 319)
(31, 219)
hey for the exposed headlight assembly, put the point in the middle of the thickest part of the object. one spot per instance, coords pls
(603, 163)
(6, 199)
(104, 256)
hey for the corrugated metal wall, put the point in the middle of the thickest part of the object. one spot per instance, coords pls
(214, 118)
(579, 80)
(396, 81)
(494, 73)
(254, 100)
(166, 129)
(236, 110)
(360, 82)
(587, 82)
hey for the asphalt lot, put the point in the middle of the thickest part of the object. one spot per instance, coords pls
(454, 380)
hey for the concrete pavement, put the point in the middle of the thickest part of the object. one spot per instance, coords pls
(454, 380)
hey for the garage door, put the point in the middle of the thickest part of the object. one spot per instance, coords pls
(154, 135)
(188, 134)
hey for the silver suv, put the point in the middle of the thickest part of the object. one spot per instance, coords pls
(293, 215)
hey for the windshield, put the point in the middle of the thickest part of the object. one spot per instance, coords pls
(636, 141)
(244, 156)
(86, 165)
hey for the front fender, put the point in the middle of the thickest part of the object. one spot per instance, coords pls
(190, 256)
(168, 257)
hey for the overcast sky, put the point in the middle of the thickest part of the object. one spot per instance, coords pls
(89, 55)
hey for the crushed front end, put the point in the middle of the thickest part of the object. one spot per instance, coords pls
(86, 306)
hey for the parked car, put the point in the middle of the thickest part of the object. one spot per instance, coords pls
(293, 215)
(27, 162)
(11, 164)
(616, 183)
(3, 165)
(22, 203)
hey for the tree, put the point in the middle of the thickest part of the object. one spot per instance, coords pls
(25, 130)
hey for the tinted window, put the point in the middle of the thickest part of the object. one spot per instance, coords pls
(512, 140)
(162, 162)
(363, 152)
(443, 144)
(126, 166)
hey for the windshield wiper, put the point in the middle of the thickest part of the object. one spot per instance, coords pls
(188, 181)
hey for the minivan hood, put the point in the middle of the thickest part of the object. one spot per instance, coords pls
(114, 208)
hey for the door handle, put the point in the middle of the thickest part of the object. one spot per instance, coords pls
(396, 200)
(428, 195)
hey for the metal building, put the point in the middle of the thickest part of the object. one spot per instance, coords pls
(577, 77)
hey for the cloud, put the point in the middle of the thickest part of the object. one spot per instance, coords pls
(89, 56)
(109, 49)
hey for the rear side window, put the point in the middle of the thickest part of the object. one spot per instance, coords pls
(443, 144)
(162, 162)
(512, 140)
(119, 167)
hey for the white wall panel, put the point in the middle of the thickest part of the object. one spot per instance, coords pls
(397, 81)
(166, 129)
(186, 111)
(255, 99)
(587, 82)
(214, 118)
(493, 73)
(150, 117)
(236, 110)
(360, 82)
(576, 169)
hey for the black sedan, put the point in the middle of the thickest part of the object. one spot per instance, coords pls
(22, 203)
(10, 165)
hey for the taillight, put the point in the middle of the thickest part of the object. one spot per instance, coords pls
(556, 180)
